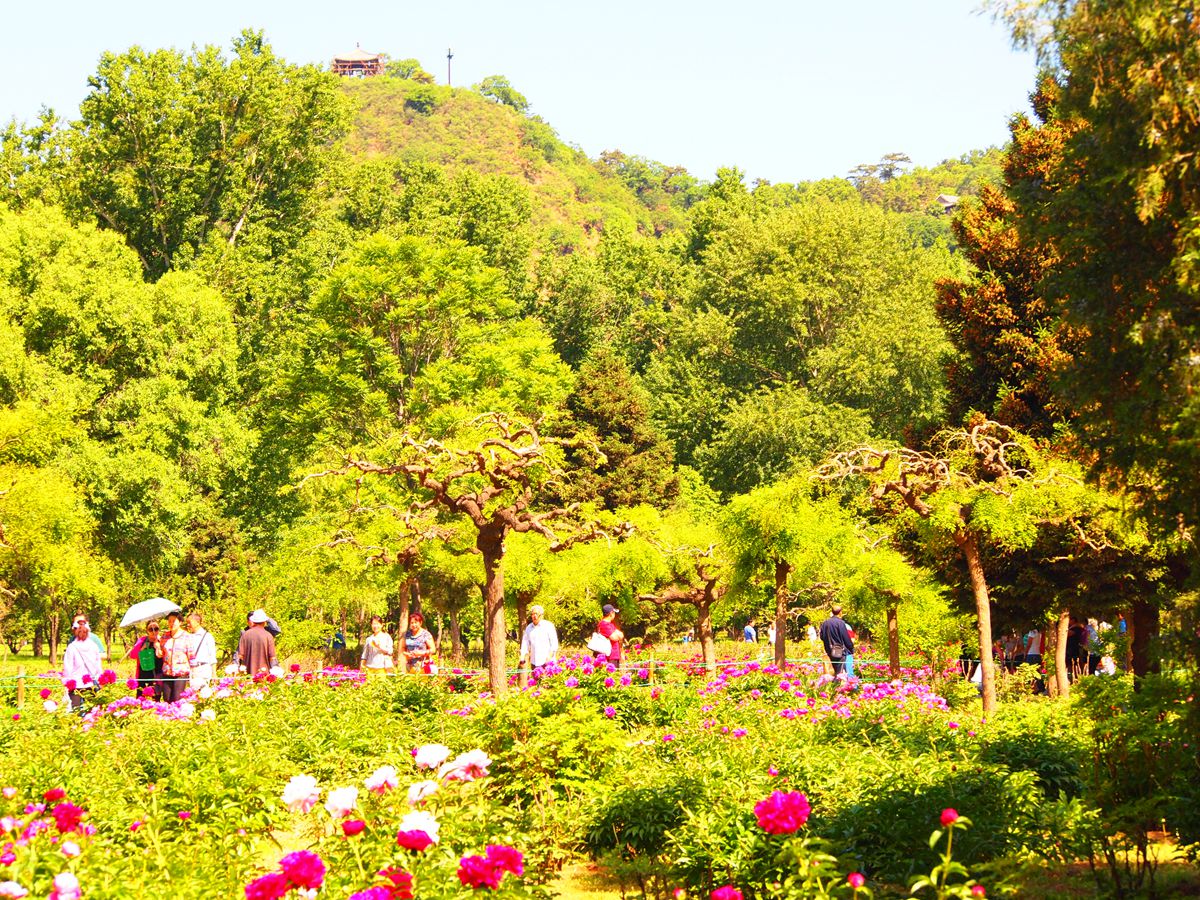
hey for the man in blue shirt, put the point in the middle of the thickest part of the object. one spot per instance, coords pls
(749, 633)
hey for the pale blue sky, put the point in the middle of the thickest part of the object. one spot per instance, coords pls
(785, 91)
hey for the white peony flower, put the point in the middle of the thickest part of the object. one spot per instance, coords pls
(466, 766)
(208, 715)
(341, 802)
(421, 821)
(301, 793)
(383, 780)
(421, 790)
(430, 756)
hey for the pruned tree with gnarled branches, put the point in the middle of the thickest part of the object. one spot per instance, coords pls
(494, 478)
(985, 484)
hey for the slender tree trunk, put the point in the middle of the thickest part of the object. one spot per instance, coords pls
(893, 630)
(491, 544)
(782, 570)
(1061, 664)
(708, 645)
(969, 546)
(523, 598)
(1143, 625)
(456, 641)
(39, 635)
(402, 609)
(55, 625)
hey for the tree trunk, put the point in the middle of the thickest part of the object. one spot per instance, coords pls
(523, 598)
(55, 625)
(1143, 625)
(490, 543)
(782, 570)
(402, 608)
(893, 629)
(969, 546)
(708, 645)
(1061, 664)
(457, 651)
(39, 635)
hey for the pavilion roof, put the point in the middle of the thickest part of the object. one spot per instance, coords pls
(358, 54)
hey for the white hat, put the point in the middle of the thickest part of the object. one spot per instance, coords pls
(258, 617)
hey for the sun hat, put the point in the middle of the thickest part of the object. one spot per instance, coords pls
(258, 617)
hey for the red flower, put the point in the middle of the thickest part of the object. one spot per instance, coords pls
(351, 827)
(413, 840)
(782, 812)
(271, 886)
(54, 795)
(295, 667)
(949, 817)
(67, 816)
(70, 684)
(978, 890)
(44, 693)
(402, 884)
(303, 869)
(856, 880)
(108, 676)
(726, 892)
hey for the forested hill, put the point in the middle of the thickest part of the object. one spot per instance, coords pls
(404, 120)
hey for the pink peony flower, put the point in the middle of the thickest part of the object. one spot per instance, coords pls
(379, 892)
(54, 795)
(351, 827)
(414, 840)
(70, 849)
(67, 816)
(70, 684)
(401, 886)
(135, 824)
(44, 693)
(301, 793)
(10, 890)
(856, 880)
(271, 886)
(107, 677)
(303, 869)
(949, 817)
(782, 812)
(131, 683)
(9, 793)
(295, 667)
(382, 780)
(184, 814)
(726, 892)
(978, 890)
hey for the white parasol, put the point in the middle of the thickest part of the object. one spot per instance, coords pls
(154, 608)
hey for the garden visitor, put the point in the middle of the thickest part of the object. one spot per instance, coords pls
(750, 633)
(378, 649)
(81, 664)
(175, 651)
(850, 654)
(539, 642)
(149, 666)
(607, 626)
(419, 646)
(1033, 647)
(93, 637)
(256, 648)
(204, 645)
(771, 633)
(835, 637)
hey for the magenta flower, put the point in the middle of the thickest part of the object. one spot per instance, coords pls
(303, 869)
(414, 840)
(856, 880)
(506, 858)
(44, 693)
(610, 711)
(184, 814)
(726, 892)
(351, 827)
(108, 676)
(477, 872)
(295, 667)
(784, 812)
(131, 683)
(949, 817)
(54, 795)
(70, 684)
(978, 890)
(272, 886)
(67, 816)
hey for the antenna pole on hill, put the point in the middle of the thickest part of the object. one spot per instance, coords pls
(449, 56)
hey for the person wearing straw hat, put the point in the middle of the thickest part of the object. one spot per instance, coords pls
(539, 643)
(378, 649)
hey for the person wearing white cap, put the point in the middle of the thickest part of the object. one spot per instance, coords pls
(539, 643)
(256, 649)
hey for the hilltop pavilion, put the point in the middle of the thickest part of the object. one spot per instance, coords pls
(358, 63)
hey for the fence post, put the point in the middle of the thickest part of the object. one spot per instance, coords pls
(20, 687)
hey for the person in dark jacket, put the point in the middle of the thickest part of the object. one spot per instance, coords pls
(835, 636)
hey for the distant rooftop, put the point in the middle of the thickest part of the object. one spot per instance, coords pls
(357, 63)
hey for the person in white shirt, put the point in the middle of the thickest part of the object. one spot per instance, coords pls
(539, 643)
(81, 664)
(204, 648)
(378, 650)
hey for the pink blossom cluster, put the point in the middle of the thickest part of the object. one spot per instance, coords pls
(784, 812)
(302, 870)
